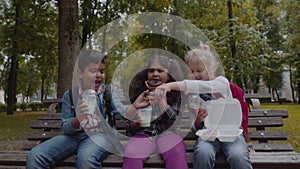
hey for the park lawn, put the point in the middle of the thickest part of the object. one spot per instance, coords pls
(291, 124)
(16, 126)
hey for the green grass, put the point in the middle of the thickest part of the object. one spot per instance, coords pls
(16, 126)
(291, 124)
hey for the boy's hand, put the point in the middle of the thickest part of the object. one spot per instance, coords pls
(82, 109)
(89, 122)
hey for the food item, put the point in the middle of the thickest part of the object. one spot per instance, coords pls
(151, 95)
(153, 83)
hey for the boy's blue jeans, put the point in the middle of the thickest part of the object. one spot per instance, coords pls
(89, 153)
(236, 153)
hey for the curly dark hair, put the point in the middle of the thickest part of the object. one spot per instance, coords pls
(137, 85)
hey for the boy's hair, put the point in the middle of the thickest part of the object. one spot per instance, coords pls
(87, 56)
(203, 54)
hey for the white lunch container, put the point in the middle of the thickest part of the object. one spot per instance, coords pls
(223, 121)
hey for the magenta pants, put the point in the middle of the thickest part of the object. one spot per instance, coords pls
(171, 147)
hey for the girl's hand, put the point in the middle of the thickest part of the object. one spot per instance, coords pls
(142, 101)
(201, 114)
(135, 125)
(161, 91)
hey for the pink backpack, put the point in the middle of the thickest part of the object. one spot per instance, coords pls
(238, 93)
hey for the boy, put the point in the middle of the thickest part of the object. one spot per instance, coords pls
(77, 137)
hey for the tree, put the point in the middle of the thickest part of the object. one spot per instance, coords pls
(14, 60)
(292, 43)
(69, 44)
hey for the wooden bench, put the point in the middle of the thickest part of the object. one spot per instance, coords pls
(267, 154)
(254, 99)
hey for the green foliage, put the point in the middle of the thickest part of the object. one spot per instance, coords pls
(37, 46)
(22, 106)
(3, 107)
(265, 34)
(35, 106)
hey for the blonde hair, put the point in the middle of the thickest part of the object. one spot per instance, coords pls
(204, 55)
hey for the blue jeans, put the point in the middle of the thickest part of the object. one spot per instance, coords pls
(236, 153)
(90, 150)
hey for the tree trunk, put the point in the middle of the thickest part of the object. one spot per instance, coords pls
(42, 89)
(13, 71)
(235, 78)
(87, 17)
(277, 94)
(27, 97)
(69, 46)
(298, 84)
(291, 83)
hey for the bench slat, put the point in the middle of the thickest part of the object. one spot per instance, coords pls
(267, 147)
(45, 124)
(54, 116)
(267, 135)
(252, 122)
(253, 113)
(288, 160)
(265, 122)
(253, 135)
(269, 113)
(42, 136)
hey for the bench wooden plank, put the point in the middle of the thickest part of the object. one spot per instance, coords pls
(267, 135)
(252, 122)
(271, 147)
(263, 97)
(54, 116)
(189, 139)
(265, 122)
(45, 124)
(253, 135)
(269, 113)
(42, 136)
(253, 113)
(287, 160)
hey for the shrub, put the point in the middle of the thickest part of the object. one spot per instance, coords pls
(3, 107)
(35, 106)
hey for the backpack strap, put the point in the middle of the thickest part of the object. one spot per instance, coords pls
(107, 98)
(72, 103)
